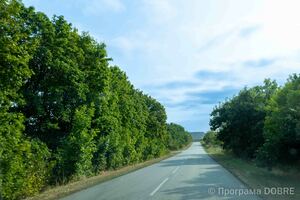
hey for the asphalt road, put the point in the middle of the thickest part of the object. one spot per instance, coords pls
(191, 174)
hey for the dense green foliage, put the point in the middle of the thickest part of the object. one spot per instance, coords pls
(240, 120)
(282, 125)
(261, 122)
(211, 139)
(64, 111)
(178, 136)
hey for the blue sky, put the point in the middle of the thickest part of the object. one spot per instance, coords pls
(191, 54)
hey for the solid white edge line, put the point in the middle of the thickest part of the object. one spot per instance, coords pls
(159, 186)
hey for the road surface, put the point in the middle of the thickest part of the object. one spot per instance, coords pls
(191, 174)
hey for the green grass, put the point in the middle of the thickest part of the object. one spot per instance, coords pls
(257, 177)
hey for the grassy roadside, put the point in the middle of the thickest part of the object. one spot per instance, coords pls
(65, 190)
(256, 177)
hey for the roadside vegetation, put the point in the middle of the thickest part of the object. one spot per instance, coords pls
(56, 192)
(262, 123)
(255, 134)
(251, 174)
(65, 113)
(179, 137)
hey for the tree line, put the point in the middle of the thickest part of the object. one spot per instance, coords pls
(261, 123)
(64, 111)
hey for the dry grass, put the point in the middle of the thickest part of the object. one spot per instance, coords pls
(75, 186)
(257, 177)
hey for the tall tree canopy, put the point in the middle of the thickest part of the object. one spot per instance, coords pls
(64, 111)
(240, 120)
(262, 122)
(282, 125)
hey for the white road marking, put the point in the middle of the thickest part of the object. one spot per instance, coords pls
(159, 186)
(175, 170)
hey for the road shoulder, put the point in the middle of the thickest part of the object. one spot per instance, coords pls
(256, 177)
(61, 191)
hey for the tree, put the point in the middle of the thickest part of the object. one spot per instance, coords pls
(24, 166)
(64, 111)
(240, 120)
(76, 153)
(179, 137)
(282, 125)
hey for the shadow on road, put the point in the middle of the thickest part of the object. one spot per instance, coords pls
(207, 185)
(191, 160)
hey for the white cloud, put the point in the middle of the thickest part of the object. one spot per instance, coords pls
(97, 7)
(221, 38)
(159, 11)
(162, 41)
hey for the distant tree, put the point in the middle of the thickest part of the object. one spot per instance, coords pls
(156, 130)
(210, 139)
(179, 137)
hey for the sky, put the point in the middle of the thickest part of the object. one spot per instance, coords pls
(191, 54)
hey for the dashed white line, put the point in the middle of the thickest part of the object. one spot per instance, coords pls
(175, 170)
(159, 186)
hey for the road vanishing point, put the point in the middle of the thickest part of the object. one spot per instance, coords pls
(192, 174)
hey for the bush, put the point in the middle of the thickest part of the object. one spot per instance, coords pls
(24, 163)
(211, 139)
